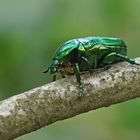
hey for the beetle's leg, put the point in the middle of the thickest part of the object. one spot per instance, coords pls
(77, 72)
(88, 63)
(54, 77)
(112, 57)
(102, 67)
(126, 58)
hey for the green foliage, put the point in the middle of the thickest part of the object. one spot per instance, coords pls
(30, 32)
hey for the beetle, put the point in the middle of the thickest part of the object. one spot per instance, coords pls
(87, 54)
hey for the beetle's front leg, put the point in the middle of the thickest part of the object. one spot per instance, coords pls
(54, 77)
(77, 72)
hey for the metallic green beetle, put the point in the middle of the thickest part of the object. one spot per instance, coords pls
(88, 54)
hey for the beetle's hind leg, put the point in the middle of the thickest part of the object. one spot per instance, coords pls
(126, 58)
(88, 63)
(90, 69)
(112, 57)
(77, 72)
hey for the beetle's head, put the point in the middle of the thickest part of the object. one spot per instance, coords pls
(53, 67)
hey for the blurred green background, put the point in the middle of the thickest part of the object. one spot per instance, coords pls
(30, 32)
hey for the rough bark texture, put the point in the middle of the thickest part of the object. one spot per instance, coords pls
(59, 100)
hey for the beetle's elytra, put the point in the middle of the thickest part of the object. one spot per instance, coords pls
(88, 54)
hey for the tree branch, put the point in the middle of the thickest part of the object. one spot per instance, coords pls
(59, 100)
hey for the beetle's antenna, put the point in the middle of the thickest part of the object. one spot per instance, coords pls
(45, 71)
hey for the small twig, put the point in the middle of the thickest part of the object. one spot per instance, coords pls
(59, 100)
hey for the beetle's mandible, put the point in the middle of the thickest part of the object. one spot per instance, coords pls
(88, 54)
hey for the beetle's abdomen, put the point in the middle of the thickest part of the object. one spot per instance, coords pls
(96, 55)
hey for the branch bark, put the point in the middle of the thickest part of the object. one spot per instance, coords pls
(60, 100)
